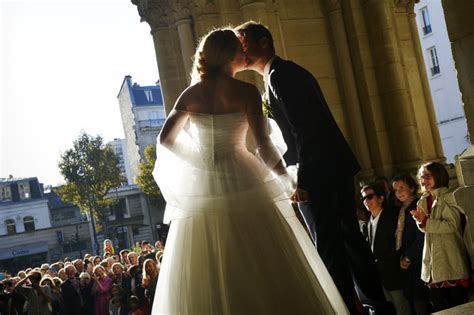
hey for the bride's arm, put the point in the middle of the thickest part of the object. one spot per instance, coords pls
(259, 127)
(174, 123)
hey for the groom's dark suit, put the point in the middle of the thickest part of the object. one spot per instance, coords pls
(326, 167)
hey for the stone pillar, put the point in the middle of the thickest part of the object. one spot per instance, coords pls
(419, 93)
(254, 10)
(391, 84)
(182, 15)
(157, 14)
(458, 15)
(359, 137)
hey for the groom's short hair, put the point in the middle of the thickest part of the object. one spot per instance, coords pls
(255, 31)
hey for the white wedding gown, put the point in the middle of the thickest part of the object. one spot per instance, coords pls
(235, 245)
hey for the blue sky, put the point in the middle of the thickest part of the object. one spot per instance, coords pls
(62, 64)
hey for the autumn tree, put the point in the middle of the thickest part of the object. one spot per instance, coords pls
(90, 170)
(145, 179)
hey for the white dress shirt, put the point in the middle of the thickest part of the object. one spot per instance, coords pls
(372, 229)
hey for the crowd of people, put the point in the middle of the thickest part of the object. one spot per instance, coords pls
(416, 237)
(413, 228)
(115, 283)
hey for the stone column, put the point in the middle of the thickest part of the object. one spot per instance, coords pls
(157, 14)
(182, 15)
(458, 15)
(391, 83)
(419, 93)
(359, 137)
(254, 10)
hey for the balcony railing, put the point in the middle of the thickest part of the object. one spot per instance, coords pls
(151, 124)
(427, 29)
(435, 70)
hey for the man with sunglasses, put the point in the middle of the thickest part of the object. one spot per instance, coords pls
(381, 239)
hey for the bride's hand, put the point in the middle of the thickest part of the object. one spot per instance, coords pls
(300, 195)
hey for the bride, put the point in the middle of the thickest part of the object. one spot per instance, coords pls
(234, 244)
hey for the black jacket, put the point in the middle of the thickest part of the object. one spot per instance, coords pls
(313, 138)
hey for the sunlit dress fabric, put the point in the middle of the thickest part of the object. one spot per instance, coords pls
(234, 245)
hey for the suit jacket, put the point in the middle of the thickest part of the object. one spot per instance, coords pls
(387, 258)
(72, 301)
(313, 138)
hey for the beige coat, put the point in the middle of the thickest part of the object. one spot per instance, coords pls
(444, 252)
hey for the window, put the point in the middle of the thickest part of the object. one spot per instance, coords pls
(11, 226)
(29, 223)
(24, 190)
(425, 19)
(149, 95)
(434, 64)
(5, 193)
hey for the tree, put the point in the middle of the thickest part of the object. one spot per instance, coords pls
(90, 169)
(145, 179)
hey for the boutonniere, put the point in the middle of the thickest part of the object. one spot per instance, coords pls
(265, 104)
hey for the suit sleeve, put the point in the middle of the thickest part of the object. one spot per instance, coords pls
(303, 105)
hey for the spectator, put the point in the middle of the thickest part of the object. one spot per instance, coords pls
(150, 279)
(135, 308)
(444, 264)
(124, 257)
(100, 290)
(79, 264)
(381, 235)
(97, 260)
(123, 280)
(390, 202)
(86, 292)
(38, 297)
(108, 247)
(70, 291)
(409, 240)
(133, 259)
(56, 297)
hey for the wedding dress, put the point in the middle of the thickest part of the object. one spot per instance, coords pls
(234, 245)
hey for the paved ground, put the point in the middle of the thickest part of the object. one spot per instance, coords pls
(465, 309)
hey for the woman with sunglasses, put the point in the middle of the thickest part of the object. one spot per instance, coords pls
(409, 241)
(444, 268)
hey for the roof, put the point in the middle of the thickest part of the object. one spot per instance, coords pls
(143, 95)
(55, 201)
(14, 180)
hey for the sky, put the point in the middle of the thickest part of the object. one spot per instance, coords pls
(62, 65)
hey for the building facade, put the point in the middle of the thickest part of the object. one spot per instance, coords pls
(143, 116)
(119, 146)
(36, 227)
(442, 77)
(132, 217)
(365, 54)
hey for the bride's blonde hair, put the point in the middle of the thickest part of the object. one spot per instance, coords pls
(215, 50)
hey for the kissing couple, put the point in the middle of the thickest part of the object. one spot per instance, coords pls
(235, 244)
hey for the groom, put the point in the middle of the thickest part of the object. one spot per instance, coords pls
(326, 166)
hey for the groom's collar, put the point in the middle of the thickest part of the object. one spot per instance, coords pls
(266, 70)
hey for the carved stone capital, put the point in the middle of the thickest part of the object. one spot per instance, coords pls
(333, 5)
(155, 12)
(205, 7)
(404, 6)
(181, 9)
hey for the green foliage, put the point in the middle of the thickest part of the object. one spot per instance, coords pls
(90, 170)
(145, 179)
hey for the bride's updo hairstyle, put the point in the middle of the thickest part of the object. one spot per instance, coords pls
(215, 50)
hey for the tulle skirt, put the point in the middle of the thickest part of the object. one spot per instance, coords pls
(235, 245)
